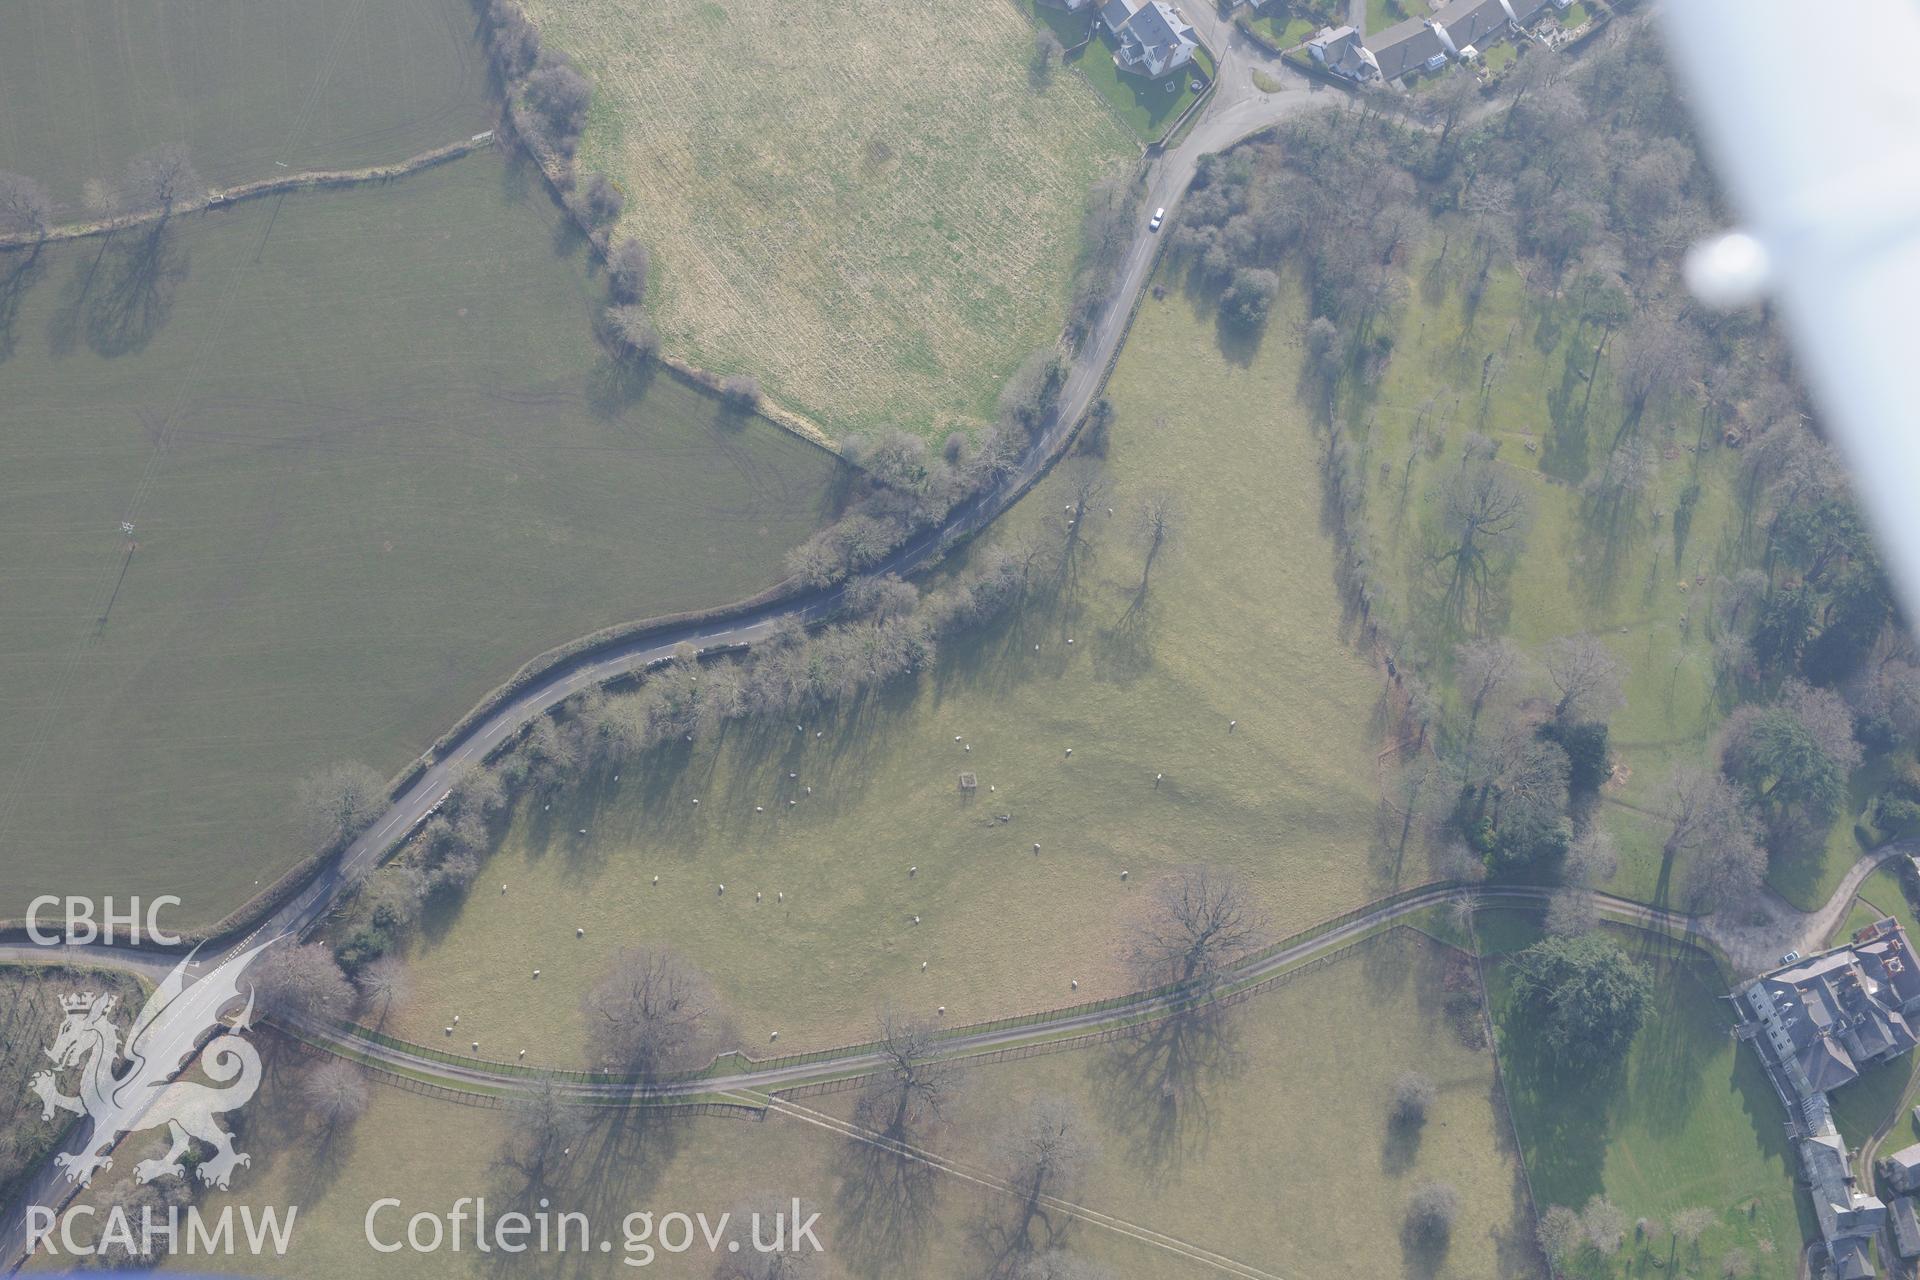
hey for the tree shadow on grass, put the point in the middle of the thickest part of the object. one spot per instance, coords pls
(1154, 1085)
(614, 386)
(1564, 1110)
(885, 1207)
(132, 295)
(20, 270)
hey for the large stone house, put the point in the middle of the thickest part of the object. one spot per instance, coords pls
(1817, 1023)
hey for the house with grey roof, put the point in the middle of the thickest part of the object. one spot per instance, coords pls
(1830, 1016)
(1902, 1169)
(1470, 24)
(1906, 1227)
(1817, 1023)
(1115, 14)
(1154, 40)
(1342, 51)
(1407, 47)
(1849, 1218)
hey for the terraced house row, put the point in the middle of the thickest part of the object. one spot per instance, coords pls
(1459, 31)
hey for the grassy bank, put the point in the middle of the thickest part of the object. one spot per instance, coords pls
(1287, 799)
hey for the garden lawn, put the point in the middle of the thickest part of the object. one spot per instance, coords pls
(1880, 896)
(246, 88)
(1148, 106)
(374, 461)
(1242, 623)
(1688, 1120)
(1284, 1162)
(876, 214)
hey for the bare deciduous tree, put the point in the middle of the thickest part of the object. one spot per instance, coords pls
(632, 333)
(1413, 1097)
(561, 95)
(1484, 518)
(627, 272)
(1483, 668)
(914, 1088)
(1157, 529)
(336, 803)
(600, 201)
(740, 391)
(301, 982)
(1041, 1155)
(1198, 923)
(25, 207)
(1431, 1213)
(383, 982)
(1605, 1225)
(649, 1014)
(1587, 677)
(1571, 912)
(542, 1130)
(1559, 1234)
(336, 1091)
(159, 180)
(1690, 1224)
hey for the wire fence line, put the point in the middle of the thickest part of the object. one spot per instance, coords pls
(737, 1062)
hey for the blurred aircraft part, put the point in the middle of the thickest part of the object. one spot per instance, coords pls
(1821, 156)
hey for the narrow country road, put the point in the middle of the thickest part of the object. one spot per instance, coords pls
(1238, 108)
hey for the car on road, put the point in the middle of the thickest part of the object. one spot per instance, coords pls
(1792, 957)
(1159, 216)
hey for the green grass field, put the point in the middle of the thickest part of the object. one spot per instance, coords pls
(1687, 1121)
(1312, 1068)
(1288, 799)
(374, 461)
(1625, 581)
(91, 83)
(877, 216)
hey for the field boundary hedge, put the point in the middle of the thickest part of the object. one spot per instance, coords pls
(308, 180)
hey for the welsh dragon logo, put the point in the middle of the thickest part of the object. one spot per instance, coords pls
(144, 1096)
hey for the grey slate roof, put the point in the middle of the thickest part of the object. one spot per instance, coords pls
(1843, 1010)
(1474, 21)
(1342, 50)
(1903, 1168)
(1152, 35)
(1906, 1227)
(1404, 48)
(1115, 14)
